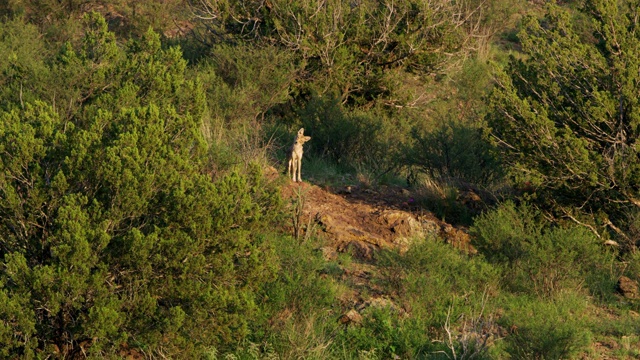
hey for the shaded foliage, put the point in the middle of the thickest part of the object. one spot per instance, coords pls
(566, 113)
(348, 48)
(457, 152)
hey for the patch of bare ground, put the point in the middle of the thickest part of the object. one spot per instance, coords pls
(360, 222)
(364, 220)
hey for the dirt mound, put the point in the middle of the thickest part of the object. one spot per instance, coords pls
(363, 220)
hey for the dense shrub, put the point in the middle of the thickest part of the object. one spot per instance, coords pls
(436, 283)
(383, 334)
(23, 73)
(568, 127)
(546, 330)
(432, 264)
(456, 151)
(113, 234)
(353, 138)
(348, 48)
(452, 143)
(537, 257)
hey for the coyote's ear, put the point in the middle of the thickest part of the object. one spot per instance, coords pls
(301, 131)
(307, 138)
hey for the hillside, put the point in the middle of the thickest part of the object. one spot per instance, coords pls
(364, 221)
(361, 223)
(471, 168)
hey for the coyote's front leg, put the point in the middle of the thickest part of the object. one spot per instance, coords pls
(290, 168)
(299, 164)
(294, 167)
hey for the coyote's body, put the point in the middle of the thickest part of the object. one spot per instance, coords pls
(294, 156)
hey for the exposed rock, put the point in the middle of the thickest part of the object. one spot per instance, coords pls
(270, 173)
(326, 221)
(458, 239)
(471, 200)
(329, 253)
(359, 249)
(364, 222)
(350, 317)
(429, 226)
(382, 303)
(627, 287)
(611, 243)
(361, 241)
(401, 223)
(402, 244)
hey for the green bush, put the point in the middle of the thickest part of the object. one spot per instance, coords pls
(300, 285)
(330, 128)
(546, 330)
(432, 264)
(456, 151)
(537, 257)
(430, 279)
(113, 233)
(452, 143)
(353, 138)
(23, 73)
(550, 110)
(383, 334)
(242, 85)
(297, 310)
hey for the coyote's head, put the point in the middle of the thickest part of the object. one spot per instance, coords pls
(300, 138)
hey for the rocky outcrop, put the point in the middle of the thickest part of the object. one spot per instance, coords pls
(360, 223)
(628, 288)
(350, 317)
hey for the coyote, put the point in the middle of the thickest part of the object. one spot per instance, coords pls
(294, 156)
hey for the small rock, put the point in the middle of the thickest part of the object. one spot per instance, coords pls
(627, 287)
(271, 173)
(448, 229)
(401, 223)
(350, 317)
(471, 200)
(359, 249)
(329, 253)
(382, 303)
(460, 240)
(355, 232)
(326, 221)
(429, 226)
